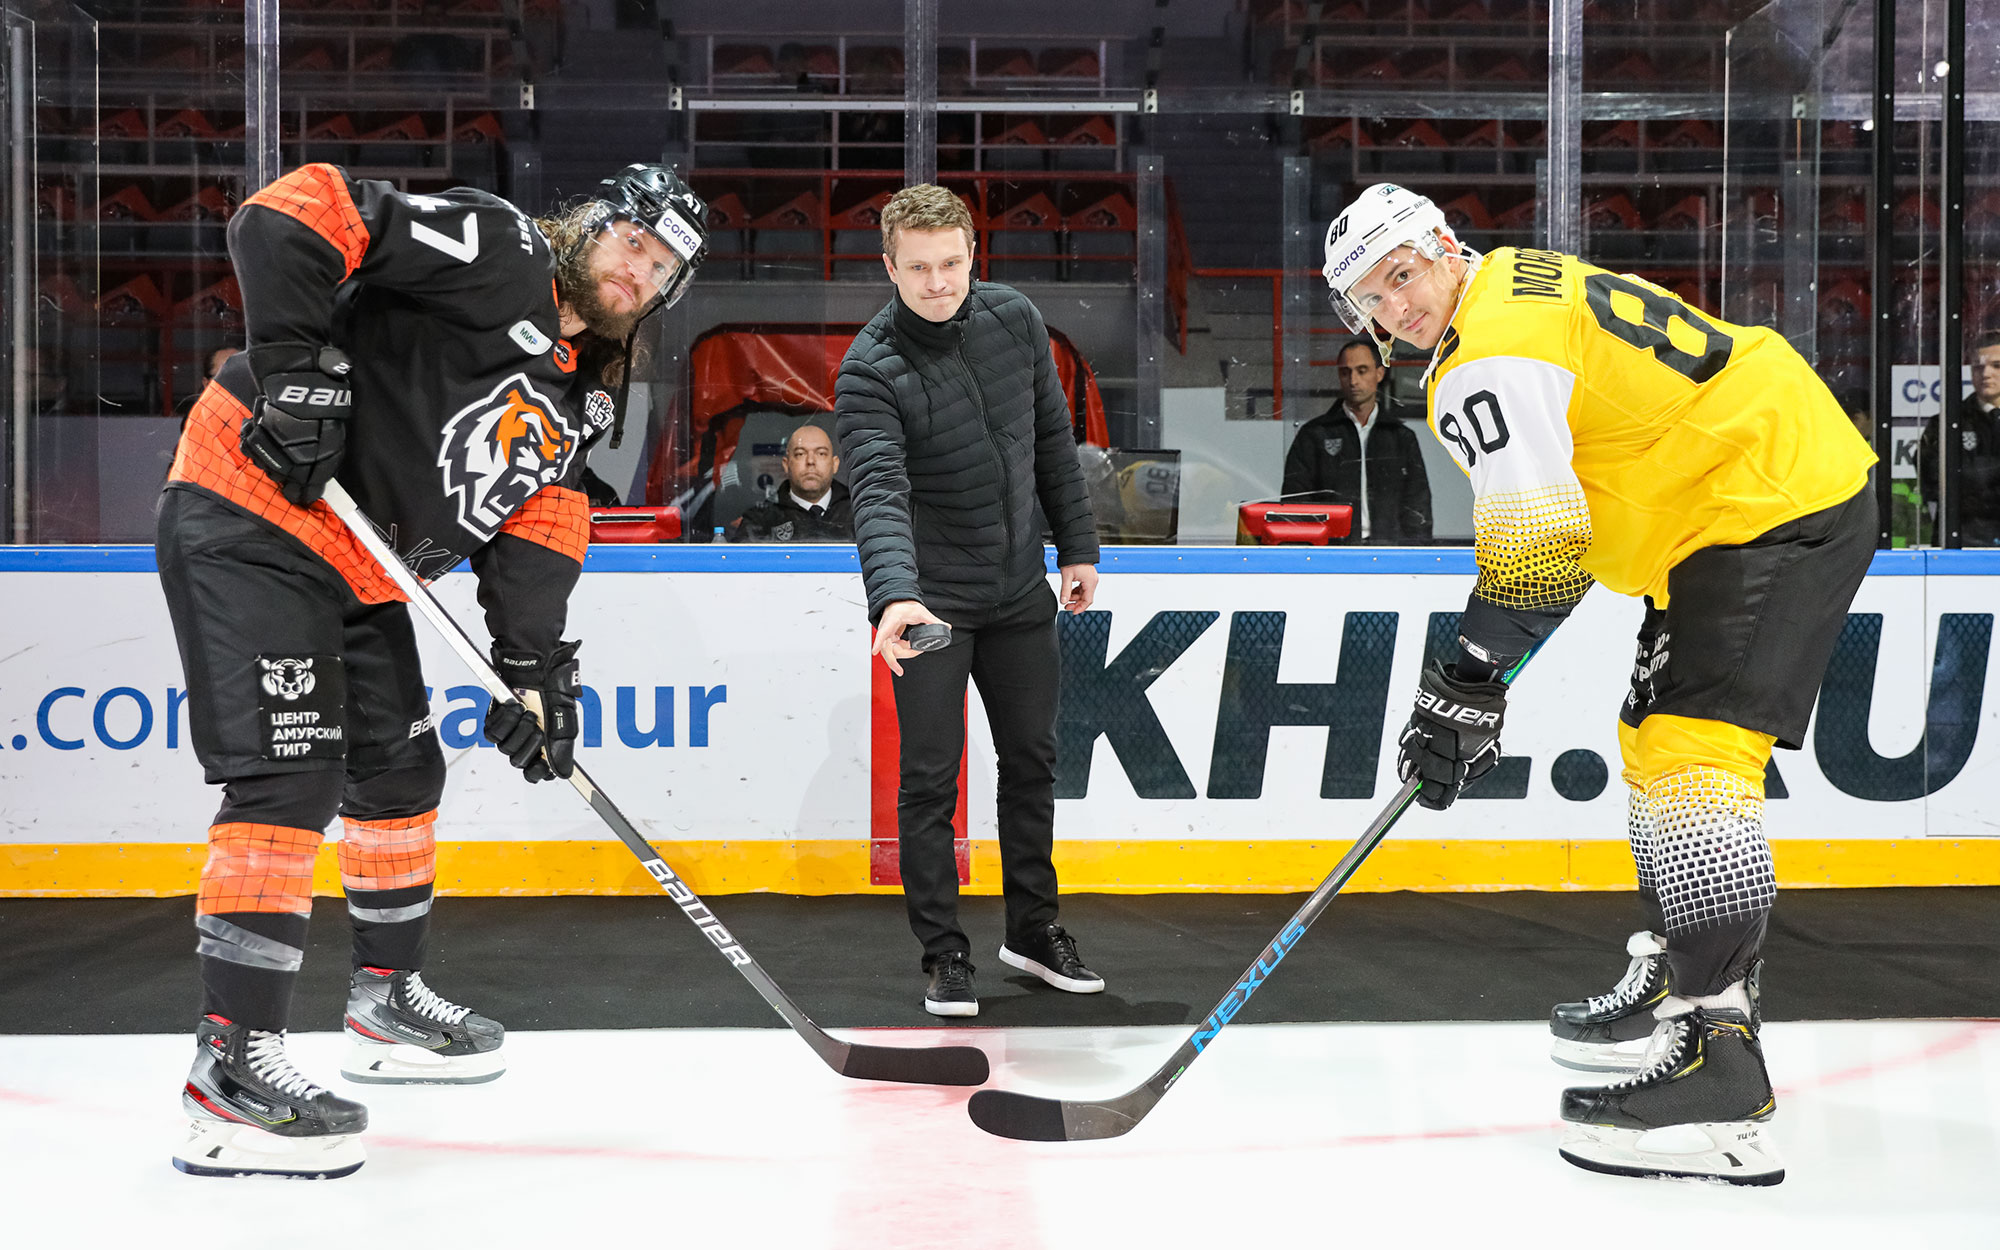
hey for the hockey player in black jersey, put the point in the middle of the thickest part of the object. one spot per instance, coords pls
(450, 360)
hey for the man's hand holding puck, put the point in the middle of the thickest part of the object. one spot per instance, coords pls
(889, 641)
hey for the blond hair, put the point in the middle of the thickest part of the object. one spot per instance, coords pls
(925, 206)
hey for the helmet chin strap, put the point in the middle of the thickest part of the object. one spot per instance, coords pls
(625, 377)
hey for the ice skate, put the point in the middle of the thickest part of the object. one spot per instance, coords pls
(1608, 1032)
(402, 1033)
(1699, 1108)
(255, 1115)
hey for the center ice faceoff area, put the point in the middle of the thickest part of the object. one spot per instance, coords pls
(1426, 1132)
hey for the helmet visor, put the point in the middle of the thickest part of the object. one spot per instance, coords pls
(645, 261)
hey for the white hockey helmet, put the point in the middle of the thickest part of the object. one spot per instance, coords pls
(1380, 220)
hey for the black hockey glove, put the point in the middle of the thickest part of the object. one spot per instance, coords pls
(297, 432)
(1454, 734)
(536, 730)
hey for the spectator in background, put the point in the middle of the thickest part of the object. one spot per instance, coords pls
(811, 507)
(1978, 484)
(1362, 453)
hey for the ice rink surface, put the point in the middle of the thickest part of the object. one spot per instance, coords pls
(1420, 1134)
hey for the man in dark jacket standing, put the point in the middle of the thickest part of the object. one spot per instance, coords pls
(1361, 453)
(1978, 481)
(954, 428)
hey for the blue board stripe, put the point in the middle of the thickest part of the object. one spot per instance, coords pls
(712, 558)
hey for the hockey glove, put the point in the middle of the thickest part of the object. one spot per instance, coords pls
(536, 730)
(297, 432)
(1454, 734)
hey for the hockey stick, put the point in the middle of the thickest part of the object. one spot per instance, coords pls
(933, 1065)
(1025, 1117)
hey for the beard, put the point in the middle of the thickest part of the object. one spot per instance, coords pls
(578, 287)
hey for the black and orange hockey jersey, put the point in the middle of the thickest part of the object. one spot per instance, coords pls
(470, 414)
(1610, 431)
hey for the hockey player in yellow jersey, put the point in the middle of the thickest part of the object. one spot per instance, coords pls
(1614, 434)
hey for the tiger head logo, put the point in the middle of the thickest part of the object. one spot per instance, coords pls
(288, 679)
(501, 449)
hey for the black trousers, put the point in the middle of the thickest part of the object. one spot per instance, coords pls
(1010, 651)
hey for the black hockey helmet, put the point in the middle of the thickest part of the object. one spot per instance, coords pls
(655, 197)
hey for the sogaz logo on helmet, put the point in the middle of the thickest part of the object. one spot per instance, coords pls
(1340, 266)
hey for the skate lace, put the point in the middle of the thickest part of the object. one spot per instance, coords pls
(1663, 1051)
(1629, 986)
(270, 1064)
(428, 1003)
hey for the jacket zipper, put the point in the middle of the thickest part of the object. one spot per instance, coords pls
(986, 428)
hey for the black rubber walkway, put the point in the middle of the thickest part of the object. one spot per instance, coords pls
(127, 965)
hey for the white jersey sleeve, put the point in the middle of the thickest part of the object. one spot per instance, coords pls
(1505, 420)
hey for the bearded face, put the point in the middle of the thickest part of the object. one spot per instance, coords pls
(585, 282)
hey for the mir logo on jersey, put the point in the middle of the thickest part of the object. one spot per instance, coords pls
(502, 449)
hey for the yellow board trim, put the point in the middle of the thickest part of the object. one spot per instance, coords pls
(157, 870)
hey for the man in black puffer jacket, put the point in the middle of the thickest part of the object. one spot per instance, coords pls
(954, 429)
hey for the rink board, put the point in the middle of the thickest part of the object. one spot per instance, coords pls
(1229, 721)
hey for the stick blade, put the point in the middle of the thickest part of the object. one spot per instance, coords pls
(1023, 1117)
(917, 1065)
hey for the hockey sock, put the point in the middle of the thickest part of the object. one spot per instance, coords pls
(388, 869)
(1714, 874)
(1639, 833)
(252, 911)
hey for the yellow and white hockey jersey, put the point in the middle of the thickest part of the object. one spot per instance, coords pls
(1610, 430)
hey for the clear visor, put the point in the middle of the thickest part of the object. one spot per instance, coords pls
(1404, 265)
(646, 259)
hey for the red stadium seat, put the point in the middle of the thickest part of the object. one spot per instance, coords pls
(801, 212)
(1091, 132)
(1418, 134)
(207, 204)
(1111, 211)
(1067, 63)
(1006, 63)
(186, 124)
(1692, 133)
(1690, 212)
(1033, 211)
(1467, 212)
(137, 302)
(408, 129)
(128, 203)
(1341, 135)
(1611, 212)
(1020, 134)
(219, 305)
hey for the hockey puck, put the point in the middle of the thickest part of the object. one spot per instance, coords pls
(927, 637)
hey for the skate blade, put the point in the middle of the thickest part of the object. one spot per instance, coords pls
(392, 1063)
(1731, 1153)
(214, 1148)
(1588, 1057)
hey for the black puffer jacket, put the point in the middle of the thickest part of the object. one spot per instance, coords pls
(951, 433)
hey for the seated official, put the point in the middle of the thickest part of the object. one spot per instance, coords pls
(811, 507)
(1363, 454)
